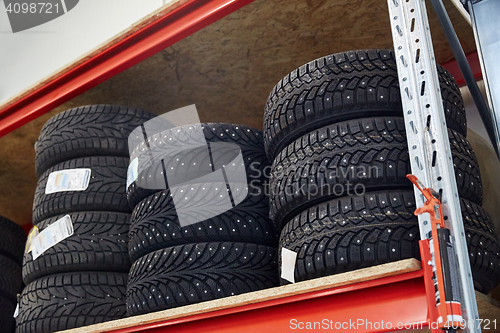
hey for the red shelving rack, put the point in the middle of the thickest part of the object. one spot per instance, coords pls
(159, 31)
(385, 298)
(399, 297)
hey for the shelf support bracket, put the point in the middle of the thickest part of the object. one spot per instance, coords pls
(427, 135)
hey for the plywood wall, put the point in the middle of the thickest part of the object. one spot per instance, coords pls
(227, 70)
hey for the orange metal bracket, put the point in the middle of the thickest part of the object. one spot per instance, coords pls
(154, 37)
(426, 259)
(445, 309)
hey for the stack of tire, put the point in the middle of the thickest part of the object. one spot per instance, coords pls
(334, 130)
(81, 280)
(12, 239)
(232, 251)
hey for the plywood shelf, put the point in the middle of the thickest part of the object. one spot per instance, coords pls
(370, 282)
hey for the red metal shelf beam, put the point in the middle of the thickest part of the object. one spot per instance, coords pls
(163, 32)
(150, 39)
(379, 305)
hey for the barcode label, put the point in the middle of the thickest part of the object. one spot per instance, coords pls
(68, 180)
(50, 236)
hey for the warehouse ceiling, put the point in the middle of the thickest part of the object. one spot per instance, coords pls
(226, 69)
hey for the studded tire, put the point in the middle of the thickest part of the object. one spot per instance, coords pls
(351, 157)
(155, 222)
(10, 282)
(186, 153)
(12, 240)
(63, 301)
(344, 86)
(483, 246)
(93, 130)
(99, 243)
(7, 321)
(350, 233)
(467, 173)
(105, 192)
(188, 274)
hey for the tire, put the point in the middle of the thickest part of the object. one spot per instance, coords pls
(10, 279)
(185, 156)
(155, 223)
(12, 240)
(94, 130)
(453, 103)
(168, 278)
(99, 243)
(350, 233)
(106, 190)
(483, 246)
(7, 320)
(467, 173)
(333, 88)
(368, 154)
(70, 300)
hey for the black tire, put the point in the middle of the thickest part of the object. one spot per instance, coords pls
(340, 87)
(350, 233)
(483, 246)
(185, 156)
(467, 173)
(99, 243)
(368, 154)
(7, 321)
(70, 300)
(453, 103)
(12, 240)
(94, 130)
(10, 279)
(193, 273)
(106, 190)
(155, 224)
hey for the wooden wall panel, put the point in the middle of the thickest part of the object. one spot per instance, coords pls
(226, 69)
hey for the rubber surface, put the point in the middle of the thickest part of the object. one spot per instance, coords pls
(106, 190)
(351, 157)
(193, 273)
(12, 240)
(467, 173)
(94, 130)
(181, 154)
(99, 243)
(155, 223)
(10, 279)
(483, 246)
(340, 87)
(355, 232)
(7, 321)
(70, 300)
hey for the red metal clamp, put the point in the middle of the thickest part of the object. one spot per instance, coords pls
(437, 252)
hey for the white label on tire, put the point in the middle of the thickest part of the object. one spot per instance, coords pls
(132, 171)
(68, 180)
(16, 312)
(288, 259)
(50, 236)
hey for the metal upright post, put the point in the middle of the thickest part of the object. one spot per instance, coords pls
(486, 26)
(488, 116)
(428, 142)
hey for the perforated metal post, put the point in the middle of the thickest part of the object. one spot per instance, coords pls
(428, 142)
